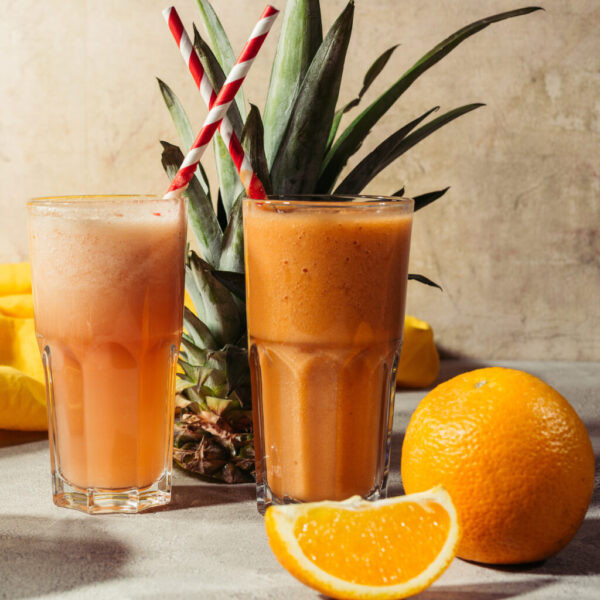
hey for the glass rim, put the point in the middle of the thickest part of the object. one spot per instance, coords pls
(91, 200)
(334, 201)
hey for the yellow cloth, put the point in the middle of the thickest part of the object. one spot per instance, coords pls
(22, 395)
(419, 360)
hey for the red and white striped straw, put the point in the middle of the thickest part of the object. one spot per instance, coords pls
(252, 184)
(222, 102)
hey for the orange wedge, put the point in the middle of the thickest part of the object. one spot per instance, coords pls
(391, 548)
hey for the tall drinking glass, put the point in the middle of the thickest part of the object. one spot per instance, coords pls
(325, 290)
(108, 279)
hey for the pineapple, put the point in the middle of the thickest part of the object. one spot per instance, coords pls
(295, 147)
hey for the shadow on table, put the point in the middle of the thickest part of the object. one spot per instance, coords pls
(208, 494)
(580, 557)
(456, 365)
(485, 591)
(44, 556)
(9, 438)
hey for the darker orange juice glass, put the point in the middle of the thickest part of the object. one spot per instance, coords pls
(325, 288)
(108, 278)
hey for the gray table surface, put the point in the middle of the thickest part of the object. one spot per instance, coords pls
(210, 542)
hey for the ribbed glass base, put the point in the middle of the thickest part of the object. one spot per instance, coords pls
(265, 497)
(98, 500)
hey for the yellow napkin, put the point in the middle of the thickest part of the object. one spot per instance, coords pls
(419, 360)
(22, 396)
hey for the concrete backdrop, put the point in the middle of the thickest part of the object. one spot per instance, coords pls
(515, 243)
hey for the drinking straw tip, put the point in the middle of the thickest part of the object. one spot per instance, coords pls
(166, 12)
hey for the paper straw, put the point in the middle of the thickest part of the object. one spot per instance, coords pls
(252, 184)
(222, 102)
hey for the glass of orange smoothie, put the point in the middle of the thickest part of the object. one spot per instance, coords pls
(325, 289)
(108, 279)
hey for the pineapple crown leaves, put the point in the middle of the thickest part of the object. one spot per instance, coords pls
(423, 200)
(294, 148)
(289, 145)
(183, 127)
(201, 215)
(395, 146)
(221, 45)
(197, 332)
(306, 73)
(298, 159)
(216, 373)
(232, 253)
(425, 280)
(300, 38)
(354, 135)
(383, 155)
(214, 303)
(374, 70)
(253, 142)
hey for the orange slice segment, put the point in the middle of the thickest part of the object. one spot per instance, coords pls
(391, 548)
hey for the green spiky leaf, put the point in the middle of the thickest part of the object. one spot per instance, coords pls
(181, 385)
(234, 282)
(232, 255)
(254, 147)
(190, 369)
(377, 160)
(423, 200)
(353, 136)
(337, 119)
(425, 280)
(195, 355)
(201, 215)
(299, 158)
(178, 114)
(197, 330)
(230, 185)
(213, 302)
(221, 45)
(183, 127)
(217, 77)
(197, 399)
(374, 70)
(301, 35)
(218, 405)
(391, 149)
(238, 373)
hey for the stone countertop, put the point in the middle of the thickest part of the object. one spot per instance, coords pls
(210, 542)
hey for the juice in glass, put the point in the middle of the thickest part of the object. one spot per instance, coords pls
(325, 290)
(108, 277)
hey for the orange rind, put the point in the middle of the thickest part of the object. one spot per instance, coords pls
(392, 548)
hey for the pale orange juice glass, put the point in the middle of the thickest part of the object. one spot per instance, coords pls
(325, 289)
(108, 280)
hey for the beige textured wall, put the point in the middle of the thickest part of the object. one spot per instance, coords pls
(515, 243)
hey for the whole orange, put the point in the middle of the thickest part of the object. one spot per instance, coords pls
(514, 456)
